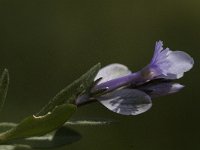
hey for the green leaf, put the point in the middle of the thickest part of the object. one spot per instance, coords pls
(15, 147)
(87, 123)
(62, 136)
(72, 91)
(4, 82)
(4, 126)
(36, 126)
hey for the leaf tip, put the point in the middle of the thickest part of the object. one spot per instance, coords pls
(5, 74)
(98, 65)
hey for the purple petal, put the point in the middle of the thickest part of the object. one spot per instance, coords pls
(112, 71)
(170, 64)
(158, 49)
(179, 62)
(161, 89)
(126, 101)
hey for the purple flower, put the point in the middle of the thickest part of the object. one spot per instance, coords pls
(169, 64)
(130, 93)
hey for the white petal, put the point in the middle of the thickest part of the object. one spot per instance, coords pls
(126, 101)
(112, 71)
(175, 87)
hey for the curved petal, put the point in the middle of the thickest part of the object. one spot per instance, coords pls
(126, 101)
(179, 62)
(161, 89)
(112, 71)
(170, 64)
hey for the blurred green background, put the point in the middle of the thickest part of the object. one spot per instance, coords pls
(46, 44)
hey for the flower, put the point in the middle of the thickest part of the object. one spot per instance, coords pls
(128, 93)
(169, 64)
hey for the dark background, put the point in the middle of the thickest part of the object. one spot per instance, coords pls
(46, 44)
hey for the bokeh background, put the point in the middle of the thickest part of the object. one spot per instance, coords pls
(46, 44)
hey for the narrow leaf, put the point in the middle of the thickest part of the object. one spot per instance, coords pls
(15, 147)
(4, 126)
(4, 82)
(87, 123)
(62, 136)
(36, 126)
(72, 91)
